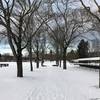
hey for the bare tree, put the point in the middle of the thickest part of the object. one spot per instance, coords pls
(12, 17)
(31, 31)
(69, 24)
(43, 47)
(55, 42)
(36, 48)
(34, 28)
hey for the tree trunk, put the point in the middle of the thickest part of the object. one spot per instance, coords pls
(64, 58)
(60, 56)
(30, 56)
(17, 54)
(19, 63)
(57, 55)
(37, 63)
(99, 77)
(42, 58)
(60, 63)
(37, 60)
(37, 55)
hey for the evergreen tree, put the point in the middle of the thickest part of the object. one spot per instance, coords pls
(83, 49)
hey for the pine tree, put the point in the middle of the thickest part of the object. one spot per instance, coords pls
(83, 49)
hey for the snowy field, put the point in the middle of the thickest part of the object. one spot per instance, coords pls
(49, 83)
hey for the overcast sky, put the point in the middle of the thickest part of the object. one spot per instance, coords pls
(5, 48)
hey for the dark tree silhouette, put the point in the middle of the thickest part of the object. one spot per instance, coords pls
(83, 49)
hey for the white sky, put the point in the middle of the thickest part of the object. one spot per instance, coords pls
(6, 49)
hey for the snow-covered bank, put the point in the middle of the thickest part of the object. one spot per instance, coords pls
(49, 83)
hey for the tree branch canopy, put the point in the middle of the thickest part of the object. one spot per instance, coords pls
(89, 11)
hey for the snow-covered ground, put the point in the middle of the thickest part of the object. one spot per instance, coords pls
(49, 83)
